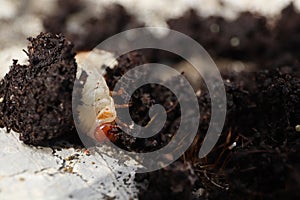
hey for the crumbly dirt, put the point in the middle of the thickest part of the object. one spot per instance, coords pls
(256, 155)
(37, 98)
(114, 20)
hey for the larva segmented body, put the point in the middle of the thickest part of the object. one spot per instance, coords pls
(97, 109)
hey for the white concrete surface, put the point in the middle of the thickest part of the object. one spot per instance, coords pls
(28, 172)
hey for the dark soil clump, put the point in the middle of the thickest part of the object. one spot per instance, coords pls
(36, 98)
(140, 102)
(96, 29)
(264, 167)
(248, 38)
(173, 182)
(56, 23)
(257, 154)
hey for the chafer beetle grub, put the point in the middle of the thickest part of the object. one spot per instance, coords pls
(97, 112)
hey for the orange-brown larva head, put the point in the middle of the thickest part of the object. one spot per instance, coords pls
(105, 132)
(105, 119)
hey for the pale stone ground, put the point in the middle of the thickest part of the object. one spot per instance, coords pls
(28, 172)
(40, 172)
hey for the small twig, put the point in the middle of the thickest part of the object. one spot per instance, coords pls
(214, 183)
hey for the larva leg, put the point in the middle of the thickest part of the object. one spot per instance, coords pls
(118, 93)
(122, 105)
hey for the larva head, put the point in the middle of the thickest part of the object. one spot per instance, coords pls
(105, 132)
(105, 119)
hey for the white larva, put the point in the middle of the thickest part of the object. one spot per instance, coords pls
(98, 107)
